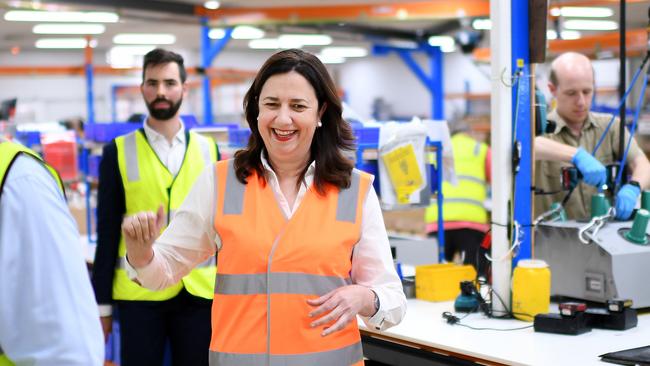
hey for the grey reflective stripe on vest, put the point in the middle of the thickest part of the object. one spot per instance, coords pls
(464, 201)
(477, 148)
(471, 179)
(234, 197)
(131, 157)
(346, 208)
(205, 150)
(121, 263)
(343, 356)
(279, 283)
(212, 261)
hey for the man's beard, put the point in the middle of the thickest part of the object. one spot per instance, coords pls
(164, 114)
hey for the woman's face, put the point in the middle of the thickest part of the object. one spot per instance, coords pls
(288, 117)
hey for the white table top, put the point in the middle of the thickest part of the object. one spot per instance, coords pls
(424, 325)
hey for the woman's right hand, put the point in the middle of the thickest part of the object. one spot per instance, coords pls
(139, 232)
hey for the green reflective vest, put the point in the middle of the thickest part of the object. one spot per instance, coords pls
(147, 185)
(464, 201)
(8, 153)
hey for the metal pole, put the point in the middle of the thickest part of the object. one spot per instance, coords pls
(622, 78)
(501, 117)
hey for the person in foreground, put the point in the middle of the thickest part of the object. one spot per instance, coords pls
(302, 245)
(48, 315)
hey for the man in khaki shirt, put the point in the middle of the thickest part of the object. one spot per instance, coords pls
(574, 139)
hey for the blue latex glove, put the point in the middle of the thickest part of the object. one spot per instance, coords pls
(593, 172)
(626, 200)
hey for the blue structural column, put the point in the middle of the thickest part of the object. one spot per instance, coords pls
(114, 103)
(522, 130)
(433, 82)
(209, 51)
(88, 68)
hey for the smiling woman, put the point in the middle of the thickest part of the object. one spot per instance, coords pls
(302, 244)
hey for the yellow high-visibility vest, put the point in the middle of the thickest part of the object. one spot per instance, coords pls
(9, 151)
(464, 202)
(149, 184)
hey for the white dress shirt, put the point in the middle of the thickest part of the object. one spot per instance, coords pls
(170, 154)
(48, 315)
(191, 238)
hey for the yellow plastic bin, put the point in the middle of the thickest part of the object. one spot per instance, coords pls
(441, 282)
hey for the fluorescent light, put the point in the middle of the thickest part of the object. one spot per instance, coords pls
(570, 34)
(69, 29)
(583, 24)
(144, 38)
(484, 23)
(344, 51)
(247, 32)
(127, 56)
(402, 14)
(551, 34)
(306, 39)
(61, 16)
(331, 59)
(264, 44)
(586, 12)
(446, 43)
(216, 33)
(556, 12)
(212, 5)
(62, 43)
(273, 43)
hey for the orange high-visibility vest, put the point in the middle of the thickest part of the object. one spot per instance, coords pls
(270, 265)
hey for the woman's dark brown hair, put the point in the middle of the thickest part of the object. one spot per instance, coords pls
(330, 141)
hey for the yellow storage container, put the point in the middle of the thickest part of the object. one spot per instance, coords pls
(441, 282)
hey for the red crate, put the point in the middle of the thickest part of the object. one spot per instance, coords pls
(60, 152)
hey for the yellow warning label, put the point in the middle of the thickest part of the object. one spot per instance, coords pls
(403, 170)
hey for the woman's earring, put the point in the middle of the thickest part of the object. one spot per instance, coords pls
(258, 118)
(319, 124)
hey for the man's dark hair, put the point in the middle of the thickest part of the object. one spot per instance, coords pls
(161, 56)
(330, 141)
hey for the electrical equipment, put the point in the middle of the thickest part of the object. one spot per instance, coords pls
(609, 267)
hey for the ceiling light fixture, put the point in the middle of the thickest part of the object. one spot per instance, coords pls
(144, 38)
(120, 57)
(264, 44)
(344, 52)
(331, 59)
(482, 24)
(551, 34)
(216, 33)
(69, 28)
(247, 32)
(60, 16)
(446, 43)
(64, 43)
(584, 24)
(212, 5)
(306, 39)
(586, 12)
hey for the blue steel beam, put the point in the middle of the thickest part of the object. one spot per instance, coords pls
(433, 82)
(209, 51)
(521, 98)
(89, 94)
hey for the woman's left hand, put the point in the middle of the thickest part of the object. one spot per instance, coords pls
(342, 306)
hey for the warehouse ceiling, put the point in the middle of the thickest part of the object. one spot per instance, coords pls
(178, 18)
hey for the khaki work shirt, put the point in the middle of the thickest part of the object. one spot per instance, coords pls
(547, 173)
